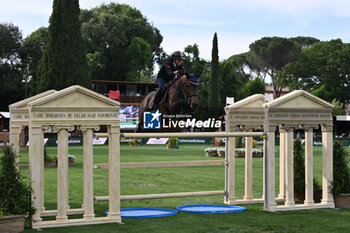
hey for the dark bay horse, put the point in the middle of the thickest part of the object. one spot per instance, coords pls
(181, 98)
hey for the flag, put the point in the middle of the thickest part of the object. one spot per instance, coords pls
(114, 94)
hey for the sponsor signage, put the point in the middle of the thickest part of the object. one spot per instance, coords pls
(157, 141)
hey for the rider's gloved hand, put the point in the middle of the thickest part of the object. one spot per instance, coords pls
(176, 74)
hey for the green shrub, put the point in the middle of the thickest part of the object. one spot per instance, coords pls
(48, 158)
(15, 195)
(212, 141)
(134, 141)
(341, 170)
(173, 141)
(255, 144)
(299, 169)
(239, 143)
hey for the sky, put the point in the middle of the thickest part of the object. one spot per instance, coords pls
(237, 23)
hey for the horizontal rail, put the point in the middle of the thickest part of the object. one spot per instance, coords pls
(163, 195)
(54, 212)
(165, 164)
(187, 135)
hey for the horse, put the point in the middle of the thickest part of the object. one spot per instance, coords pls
(181, 97)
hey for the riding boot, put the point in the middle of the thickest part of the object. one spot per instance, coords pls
(156, 100)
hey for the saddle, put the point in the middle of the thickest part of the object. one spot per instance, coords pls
(165, 91)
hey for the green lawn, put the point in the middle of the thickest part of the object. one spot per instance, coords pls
(165, 180)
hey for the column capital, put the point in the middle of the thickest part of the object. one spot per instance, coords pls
(327, 127)
(15, 129)
(247, 128)
(282, 129)
(288, 126)
(59, 127)
(35, 129)
(309, 126)
(230, 128)
(270, 128)
(46, 127)
(83, 128)
(114, 129)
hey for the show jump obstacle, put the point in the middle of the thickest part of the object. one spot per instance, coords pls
(62, 111)
(296, 110)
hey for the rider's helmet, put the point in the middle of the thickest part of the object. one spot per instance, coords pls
(177, 55)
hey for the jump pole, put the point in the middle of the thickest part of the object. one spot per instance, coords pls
(227, 135)
(187, 135)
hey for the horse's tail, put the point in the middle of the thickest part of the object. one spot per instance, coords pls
(139, 128)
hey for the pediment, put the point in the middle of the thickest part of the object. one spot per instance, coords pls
(23, 104)
(75, 97)
(299, 100)
(252, 102)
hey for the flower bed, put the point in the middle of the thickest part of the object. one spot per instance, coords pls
(211, 152)
(240, 153)
(221, 152)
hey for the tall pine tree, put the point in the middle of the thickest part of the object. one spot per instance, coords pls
(214, 106)
(63, 62)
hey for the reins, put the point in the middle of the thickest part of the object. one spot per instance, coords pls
(183, 92)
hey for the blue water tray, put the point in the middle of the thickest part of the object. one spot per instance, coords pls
(145, 212)
(210, 209)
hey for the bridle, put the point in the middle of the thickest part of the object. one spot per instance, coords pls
(183, 90)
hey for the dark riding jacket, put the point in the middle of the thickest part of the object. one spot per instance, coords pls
(167, 70)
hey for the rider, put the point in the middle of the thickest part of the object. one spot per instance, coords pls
(167, 72)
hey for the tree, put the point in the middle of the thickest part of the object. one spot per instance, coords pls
(11, 88)
(270, 55)
(192, 62)
(255, 86)
(305, 41)
(203, 107)
(140, 55)
(322, 69)
(214, 109)
(109, 29)
(63, 62)
(241, 65)
(230, 82)
(338, 108)
(31, 52)
(94, 62)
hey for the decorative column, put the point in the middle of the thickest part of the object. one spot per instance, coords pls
(327, 164)
(42, 167)
(289, 166)
(62, 171)
(248, 167)
(309, 176)
(88, 131)
(269, 170)
(36, 142)
(114, 172)
(230, 167)
(15, 131)
(282, 193)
